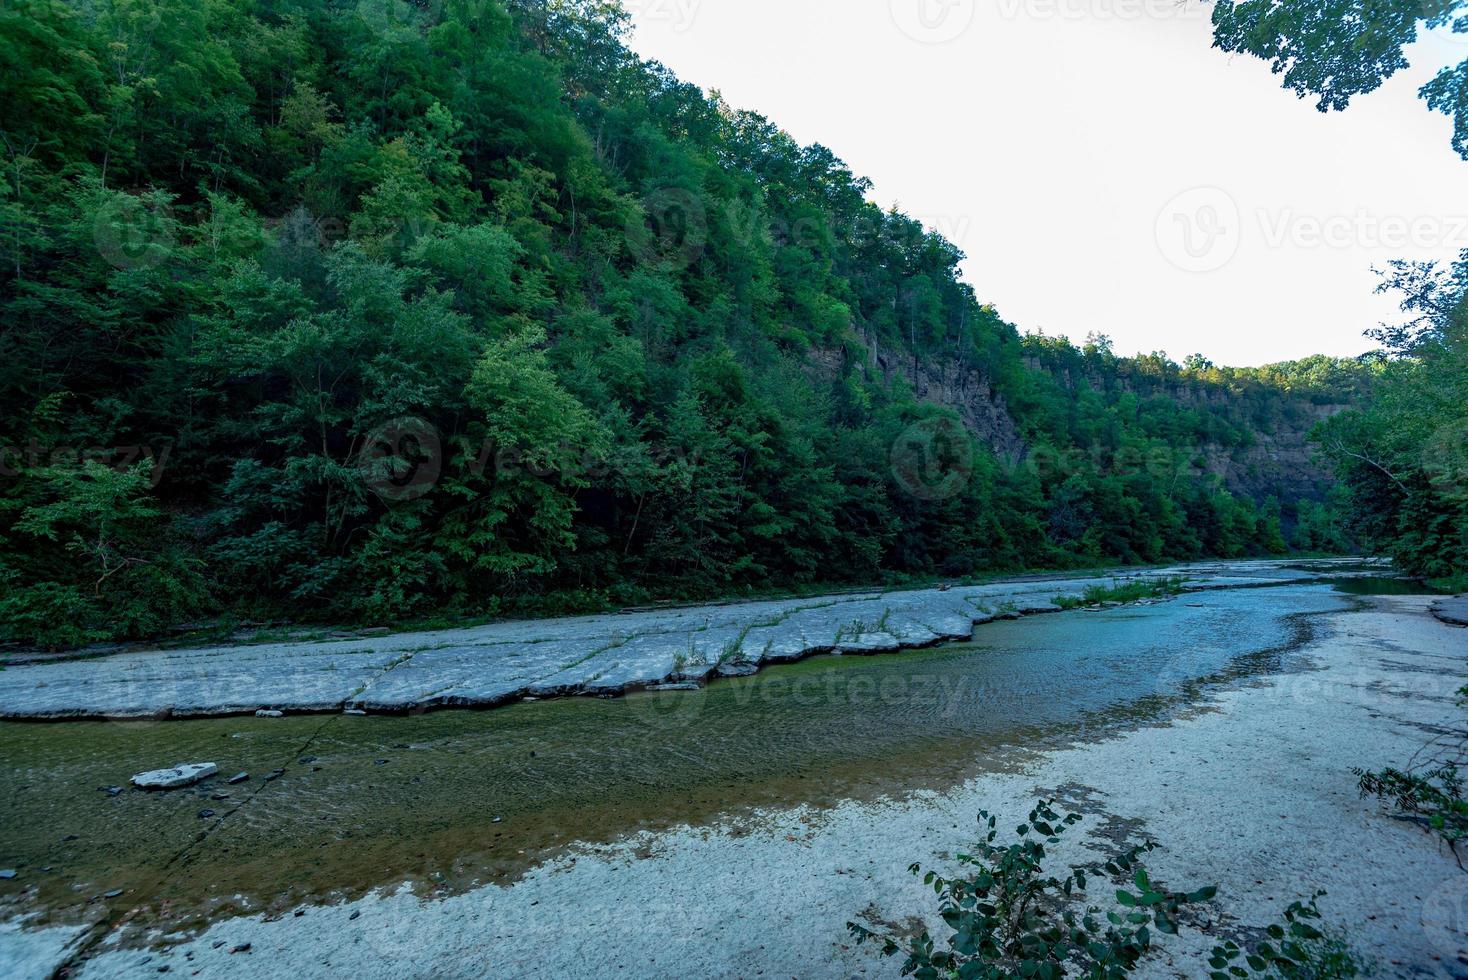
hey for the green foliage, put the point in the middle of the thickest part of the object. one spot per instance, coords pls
(444, 307)
(1339, 49)
(1096, 595)
(1300, 947)
(1403, 456)
(87, 557)
(1430, 790)
(1012, 919)
(1436, 795)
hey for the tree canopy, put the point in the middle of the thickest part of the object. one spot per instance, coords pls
(370, 310)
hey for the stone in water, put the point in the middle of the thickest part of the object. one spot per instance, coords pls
(183, 774)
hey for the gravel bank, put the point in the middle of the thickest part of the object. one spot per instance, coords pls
(1252, 792)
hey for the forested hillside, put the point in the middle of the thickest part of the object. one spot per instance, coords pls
(367, 311)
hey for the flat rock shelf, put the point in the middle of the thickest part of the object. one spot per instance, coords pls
(1452, 611)
(607, 655)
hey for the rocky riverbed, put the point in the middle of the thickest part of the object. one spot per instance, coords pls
(504, 662)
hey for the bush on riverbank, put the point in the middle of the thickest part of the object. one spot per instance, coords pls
(1011, 919)
(1430, 788)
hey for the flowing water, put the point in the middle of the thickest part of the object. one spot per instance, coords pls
(453, 799)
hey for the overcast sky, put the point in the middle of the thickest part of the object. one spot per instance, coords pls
(1104, 168)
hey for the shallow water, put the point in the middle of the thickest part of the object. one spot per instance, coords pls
(385, 799)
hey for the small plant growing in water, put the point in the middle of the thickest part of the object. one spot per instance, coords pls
(1164, 588)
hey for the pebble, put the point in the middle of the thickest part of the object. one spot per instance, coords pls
(205, 814)
(234, 780)
(241, 948)
(355, 711)
(269, 714)
(217, 943)
(7, 874)
(274, 774)
(497, 819)
(116, 892)
(380, 762)
(110, 790)
(354, 915)
(307, 760)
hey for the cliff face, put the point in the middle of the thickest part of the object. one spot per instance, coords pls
(947, 383)
(1282, 465)
(1280, 462)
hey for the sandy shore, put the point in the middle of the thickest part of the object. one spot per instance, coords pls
(1251, 791)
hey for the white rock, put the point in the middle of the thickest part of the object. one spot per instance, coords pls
(269, 714)
(183, 774)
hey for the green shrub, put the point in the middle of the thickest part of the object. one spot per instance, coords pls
(1011, 919)
(87, 558)
(1431, 792)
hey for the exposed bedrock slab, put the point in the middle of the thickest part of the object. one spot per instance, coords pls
(1452, 611)
(605, 655)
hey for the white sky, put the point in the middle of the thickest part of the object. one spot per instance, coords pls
(1051, 139)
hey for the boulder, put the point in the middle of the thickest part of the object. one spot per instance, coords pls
(183, 774)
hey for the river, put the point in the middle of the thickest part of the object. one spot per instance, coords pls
(455, 800)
